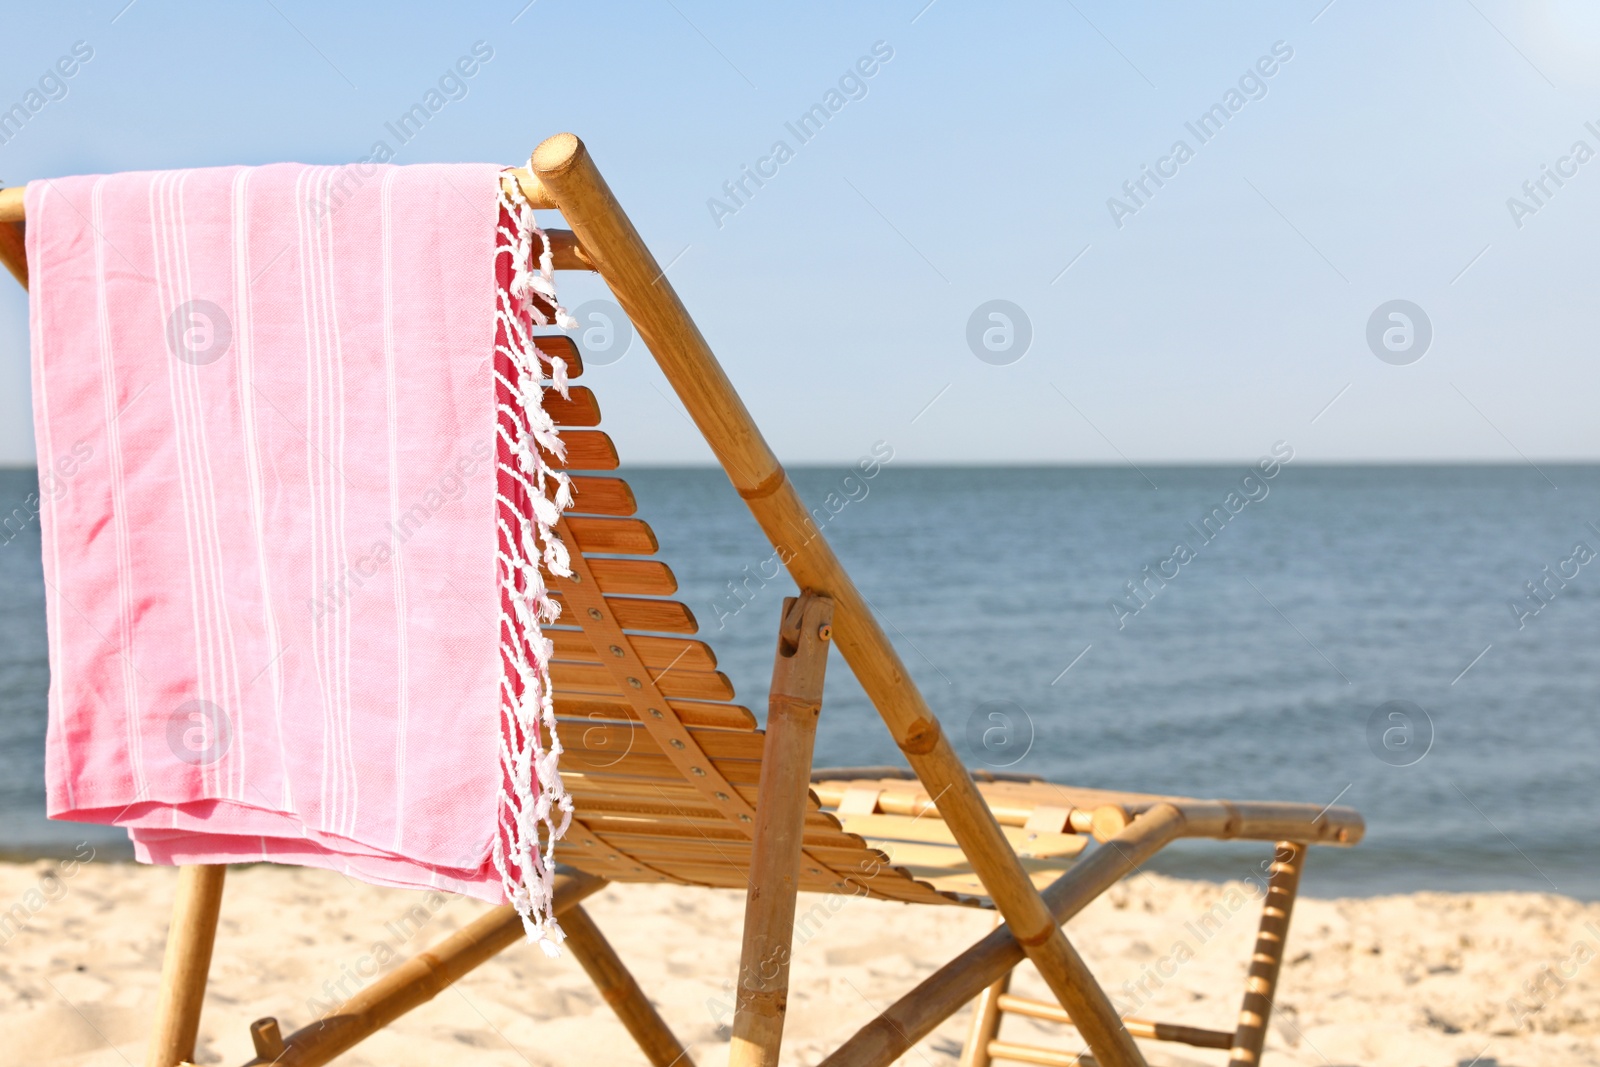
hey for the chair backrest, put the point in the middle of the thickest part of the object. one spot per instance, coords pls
(662, 763)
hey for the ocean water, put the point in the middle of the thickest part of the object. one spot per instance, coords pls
(1332, 633)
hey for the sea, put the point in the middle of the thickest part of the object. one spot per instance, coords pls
(1416, 642)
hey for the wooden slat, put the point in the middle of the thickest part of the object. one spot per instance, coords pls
(846, 859)
(602, 496)
(889, 885)
(661, 616)
(968, 885)
(638, 808)
(663, 652)
(692, 713)
(636, 577)
(568, 677)
(723, 876)
(577, 408)
(631, 537)
(948, 859)
(909, 798)
(643, 876)
(567, 252)
(563, 347)
(676, 790)
(587, 450)
(930, 829)
(718, 744)
(607, 863)
(623, 871)
(645, 766)
(666, 834)
(675, 814)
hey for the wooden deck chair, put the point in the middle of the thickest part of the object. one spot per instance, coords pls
(674, 783)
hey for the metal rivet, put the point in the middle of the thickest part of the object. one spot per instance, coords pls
(615, 651)
(720, 795)
(575, 578)
(594, 613)
(655, 713)
(825, 632)
(697, 772)
(676, 743)
(813, 870)
(743, 817)
(635, 683)
(612, 856)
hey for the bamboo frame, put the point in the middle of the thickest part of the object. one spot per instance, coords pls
(1267, 960)
(12, 252)
(563, 165)
(985, 1029)
(1134, 826)
(414, 982)
(1044, 1057)
(12, 209)
(793, 705)
(1245, 1042)
(565, 251)
(620, 990)
(186, 965)
(1197, 1036)
(953, 986)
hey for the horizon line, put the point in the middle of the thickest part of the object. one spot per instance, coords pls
(1044, 464)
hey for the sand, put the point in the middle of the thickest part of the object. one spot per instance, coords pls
(1430, 979)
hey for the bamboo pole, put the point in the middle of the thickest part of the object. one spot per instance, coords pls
(793, 705)
(1013, 799)
(13, 253)
(1267, 961)
(417, 980)
(568, 254)
(985, 1028)
(1044, 1057)
(563, 165)
(914, 1016)
(621, 991)
(187, 963)
(1187, 1035)
(12, 210)
(1273, 821)
(267, 1038)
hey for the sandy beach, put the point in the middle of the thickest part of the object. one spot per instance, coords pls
(1433, 979)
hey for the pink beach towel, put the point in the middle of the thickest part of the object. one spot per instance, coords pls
(293, 582)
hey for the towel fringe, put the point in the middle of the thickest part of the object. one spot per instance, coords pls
(533, 801)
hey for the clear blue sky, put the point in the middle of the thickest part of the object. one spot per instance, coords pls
(1225, 312)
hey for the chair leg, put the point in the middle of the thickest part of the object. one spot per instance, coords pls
(409, 984)
(985, 1023)
(793, 706)
(621, 991)
(187, 963)
(1267, 960)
